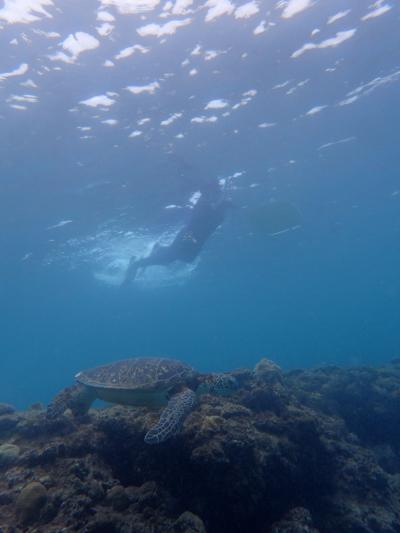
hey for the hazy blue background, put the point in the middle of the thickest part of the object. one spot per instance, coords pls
(327, 292)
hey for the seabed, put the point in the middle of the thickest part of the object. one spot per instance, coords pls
(304, 451)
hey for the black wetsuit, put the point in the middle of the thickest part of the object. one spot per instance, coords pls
(205, 218)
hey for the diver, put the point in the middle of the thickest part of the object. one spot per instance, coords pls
(206, 216)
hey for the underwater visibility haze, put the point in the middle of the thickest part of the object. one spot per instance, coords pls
(117, 117)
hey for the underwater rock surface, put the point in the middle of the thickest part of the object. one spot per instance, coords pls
(304, 451)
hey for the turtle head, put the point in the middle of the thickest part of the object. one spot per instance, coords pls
(219, 384)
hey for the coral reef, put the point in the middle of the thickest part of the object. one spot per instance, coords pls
(298, 452)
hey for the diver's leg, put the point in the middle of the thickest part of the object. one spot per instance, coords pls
(131, 271)
(160, 255)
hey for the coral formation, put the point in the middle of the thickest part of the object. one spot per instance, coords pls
(303, 451)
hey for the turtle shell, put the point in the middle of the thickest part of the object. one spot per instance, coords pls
(137, 373)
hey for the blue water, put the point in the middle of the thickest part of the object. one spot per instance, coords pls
(73, 209)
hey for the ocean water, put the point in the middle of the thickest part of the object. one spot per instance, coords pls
(114, 113)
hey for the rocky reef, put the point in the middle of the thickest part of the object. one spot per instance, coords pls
(299, 452)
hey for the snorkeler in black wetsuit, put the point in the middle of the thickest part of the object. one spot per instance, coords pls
(207, 214)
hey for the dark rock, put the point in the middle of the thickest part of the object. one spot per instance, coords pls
(8, 454)
(243, 376)
(49, 511)
(6, 409)
(16, 476)
(80, 469)
(32, 424)
(189, 523)
(298, 520)
(47, 481)
(9, 529)
(265, 399)
(48, 454)
(268, 372)
(117, 498)
(387, 458)
(95, 490)
(8, 422)
(6, 498)
(38, 406)
(30, 502)
(149, 494)
(102, 524)
(234, 410)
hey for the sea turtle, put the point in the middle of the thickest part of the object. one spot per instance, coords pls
(143, 381)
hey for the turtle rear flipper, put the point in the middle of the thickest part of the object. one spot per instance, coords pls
(77, 398)
(171, 419)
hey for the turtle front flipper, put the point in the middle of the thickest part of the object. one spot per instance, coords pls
(78, 398)
(171, 419)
